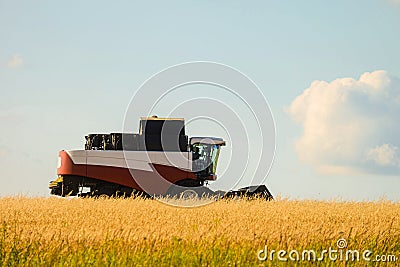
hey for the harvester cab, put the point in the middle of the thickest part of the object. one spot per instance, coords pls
(205, 154)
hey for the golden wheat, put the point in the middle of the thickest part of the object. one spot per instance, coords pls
(54, 231)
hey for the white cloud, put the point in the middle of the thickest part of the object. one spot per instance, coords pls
(15, 62)
(384, 155)
(350, 125)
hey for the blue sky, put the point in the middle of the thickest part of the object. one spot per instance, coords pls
(67, 69)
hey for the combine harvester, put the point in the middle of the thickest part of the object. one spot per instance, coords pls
(159, 161)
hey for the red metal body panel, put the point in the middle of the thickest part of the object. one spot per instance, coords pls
(68, 167)
(157, 181)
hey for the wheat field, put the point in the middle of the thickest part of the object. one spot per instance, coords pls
(144, 232)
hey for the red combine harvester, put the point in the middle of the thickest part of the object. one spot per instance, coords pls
(159, 161)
